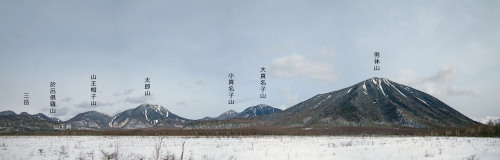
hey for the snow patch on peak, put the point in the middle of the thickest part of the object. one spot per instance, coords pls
(423, 101)
(230, 112)
(349, 90)
(111, 122)
(380, 86)
(156, 108)
(364, 87)
(389, 83)
(321, 101)
(373, 80)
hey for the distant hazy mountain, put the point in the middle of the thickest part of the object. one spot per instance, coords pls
(373, 102)
(233, 119)
(206, 119)
(147, 116)
(7, 113)
(10, 121)
(40, 116)
(258, 110)
(227, 115)
(90, 120)
(249, 112)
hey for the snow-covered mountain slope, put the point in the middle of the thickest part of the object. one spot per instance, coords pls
(373, 102)
(147, 116)
(89, 120)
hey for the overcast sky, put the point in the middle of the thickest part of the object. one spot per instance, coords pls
(449, 49)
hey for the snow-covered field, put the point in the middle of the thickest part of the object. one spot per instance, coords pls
(241, 148)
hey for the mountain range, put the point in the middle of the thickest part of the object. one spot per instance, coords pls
(373, 102)
(370, 103)
(254, 111)
(10, 121)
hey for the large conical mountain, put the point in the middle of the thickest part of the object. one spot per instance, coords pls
(373, 102)
(147, 116)
(89, 120)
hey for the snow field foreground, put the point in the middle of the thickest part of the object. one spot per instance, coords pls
(242, 148)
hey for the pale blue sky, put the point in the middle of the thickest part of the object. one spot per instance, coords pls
(446, 48)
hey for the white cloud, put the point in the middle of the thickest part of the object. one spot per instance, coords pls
(67, 99)
(125, 93)
(297, 65)
(138, 99)
(291, 98)
(199, 82)
(487, 119)
(86, 104)
(445, 75)
(439, 85)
